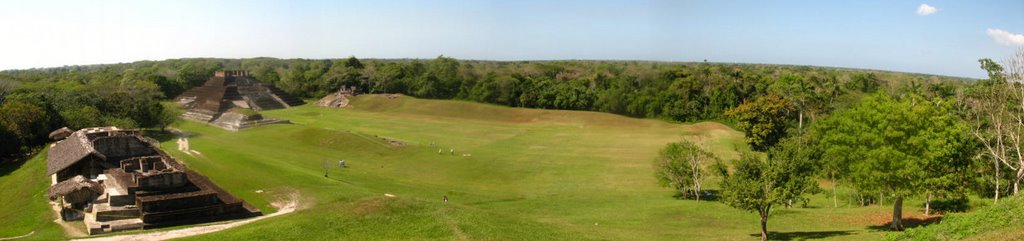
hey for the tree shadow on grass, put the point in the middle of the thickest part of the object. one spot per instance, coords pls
(163, 136)
(707, 195)
(803, 235)
(7, 166)
(908, 223)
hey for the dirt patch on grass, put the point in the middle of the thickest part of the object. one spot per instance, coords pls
(367, 207)
(882, 219)
(71, 229)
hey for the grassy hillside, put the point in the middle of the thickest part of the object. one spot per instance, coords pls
(531, 175)
(23, 205)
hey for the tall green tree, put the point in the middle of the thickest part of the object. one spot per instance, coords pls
(792, 155)
(864, 82)
(195, 73)
(887, 144)
(763, 120)
(682, 165)
(21, 125)
(799, 92)
(995, 108)
(757, 184)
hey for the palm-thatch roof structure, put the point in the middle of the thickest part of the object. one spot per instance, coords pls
(68, 152)
(72, 185)
(60, 134)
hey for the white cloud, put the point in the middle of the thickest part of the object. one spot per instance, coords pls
(925, 10)
(1005, 38)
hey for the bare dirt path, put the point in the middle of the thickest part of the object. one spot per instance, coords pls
(283, 208)
(70, 229)
(18, 237)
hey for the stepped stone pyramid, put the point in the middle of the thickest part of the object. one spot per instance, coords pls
(214, 101)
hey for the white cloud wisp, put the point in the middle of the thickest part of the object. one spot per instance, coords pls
(925, 10)
(1005, 38)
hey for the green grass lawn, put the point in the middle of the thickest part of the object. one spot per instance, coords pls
(532, 175)
(24, 208)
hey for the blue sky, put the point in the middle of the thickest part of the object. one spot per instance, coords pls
(887, 35)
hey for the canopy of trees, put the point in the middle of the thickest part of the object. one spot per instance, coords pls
(897, 146)
(127, 94)
(763, 120)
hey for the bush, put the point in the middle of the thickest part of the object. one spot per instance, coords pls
(951, 204)
(1007, 213)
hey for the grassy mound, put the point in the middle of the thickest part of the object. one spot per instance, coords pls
(1002, 221)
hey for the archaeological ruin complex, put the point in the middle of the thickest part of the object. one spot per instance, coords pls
(115, 179)
(230, 100)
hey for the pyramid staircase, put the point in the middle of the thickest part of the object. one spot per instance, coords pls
(285, 97)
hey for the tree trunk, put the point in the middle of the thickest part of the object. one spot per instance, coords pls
(835, 188)
(696, 182)
(928, 204)
(800, 129)
(997, 182)
(1016, 183)
(801, 126)
(695, 168)
(764, 227)
(897, 214)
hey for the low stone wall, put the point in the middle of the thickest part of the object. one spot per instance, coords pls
(192, 215)
(118, 147)
(164, 180)
(110, 215)
(170, 202)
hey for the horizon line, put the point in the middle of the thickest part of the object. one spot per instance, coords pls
(493, 60)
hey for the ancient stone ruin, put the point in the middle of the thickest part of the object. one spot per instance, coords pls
(338, 99)
(231, 100)
(114, 179)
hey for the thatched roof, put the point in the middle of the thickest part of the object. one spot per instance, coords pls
(60, 134)
(68, 152)
(72, 185)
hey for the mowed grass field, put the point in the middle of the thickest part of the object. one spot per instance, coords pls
(529, 175)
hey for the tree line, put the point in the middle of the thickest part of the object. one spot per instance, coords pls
(34, 101)
(941, 142)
